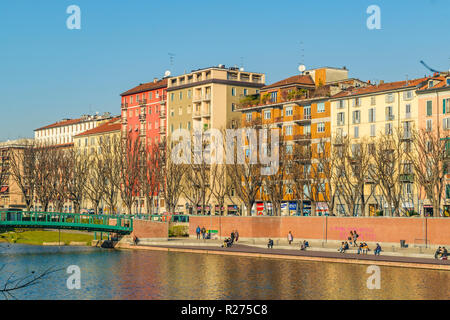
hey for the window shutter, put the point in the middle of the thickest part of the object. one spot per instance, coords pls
(444, 106)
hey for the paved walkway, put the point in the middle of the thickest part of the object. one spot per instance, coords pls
(211, 246)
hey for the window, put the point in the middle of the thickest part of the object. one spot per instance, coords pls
(289, 149)
(408, 95)
(181, 95)
(320, 167)
(319, 147)
(356, 116)
(446, 105)
(446, 123)
(189, 93)
(356, 102)
(288, 130)
(233, 107)
(372, 130)
(408, 111)
(189, 125)
(429, 124)
(273, 96)
(307, 112)
(172, 95)
(150, 96)
(429, 108)
(307, 129)
(373, 100)
(340, 104)
(341, 118)
(248, 117)
(321, 107)
(267, 114)
(356, 132)
(388, 128)
(245, 92)
(390, 98)
(233, 92)
(389, 115)
(372, 115)
(288, 111)
(321, 127)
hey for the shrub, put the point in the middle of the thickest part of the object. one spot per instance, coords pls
(178, 231)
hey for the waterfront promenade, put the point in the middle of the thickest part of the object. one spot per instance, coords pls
(324, 252)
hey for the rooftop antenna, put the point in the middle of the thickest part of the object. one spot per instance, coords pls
(171, 57)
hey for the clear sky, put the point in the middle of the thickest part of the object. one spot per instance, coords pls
(48, 72)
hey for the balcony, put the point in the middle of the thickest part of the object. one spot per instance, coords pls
(124, 120)
(162, 129)
(302, 118)
(390, 117)
(406, 177)
(142, 102)
(207, 97)
(406, 136)
(124, 106)
(162, 113)
(162, 99)
(142, 117)
(301, 138)
(197, 98)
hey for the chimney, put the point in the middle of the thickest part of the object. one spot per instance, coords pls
(368, 81)
(381, 81)
(155, 80)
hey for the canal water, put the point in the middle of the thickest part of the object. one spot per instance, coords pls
(114, 274)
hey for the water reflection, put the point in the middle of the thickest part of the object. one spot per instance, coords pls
(108, 274)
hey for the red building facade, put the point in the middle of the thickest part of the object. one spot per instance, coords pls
(144, 111)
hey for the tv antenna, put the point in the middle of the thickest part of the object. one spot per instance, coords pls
(171, 57)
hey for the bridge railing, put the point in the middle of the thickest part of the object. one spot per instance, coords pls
(118, 221)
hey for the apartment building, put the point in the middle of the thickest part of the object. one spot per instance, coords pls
(299, 106)
(62, 132)
(434, 116)
(364, 113)
(11, 196)
(144, 111)
(208, 98)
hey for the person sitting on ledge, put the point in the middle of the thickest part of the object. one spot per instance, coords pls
(377, 250)
(225, 243)
(444, 254)
(304, 245)
(360, 247)
(438, 253)
(365, 248)
(270, 244)
(343, 247)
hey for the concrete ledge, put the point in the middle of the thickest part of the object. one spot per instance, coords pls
(287, 256)
(53, 244)
(75, 243)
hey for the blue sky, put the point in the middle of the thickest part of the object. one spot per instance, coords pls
(48, 72)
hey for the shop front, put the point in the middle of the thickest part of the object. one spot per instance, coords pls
(322, 209)
(306, 211)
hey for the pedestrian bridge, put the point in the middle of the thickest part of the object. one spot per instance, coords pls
(120, 224)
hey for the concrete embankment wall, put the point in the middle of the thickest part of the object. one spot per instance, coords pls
(146, 229)
(370, 229)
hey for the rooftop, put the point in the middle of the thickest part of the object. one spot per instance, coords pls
(142, 87)
(110, 126)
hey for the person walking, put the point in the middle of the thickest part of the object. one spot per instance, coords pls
(355, 237)
(236, 234)
(197, 231)
(232, 236)
(290, 237)
(350, 238)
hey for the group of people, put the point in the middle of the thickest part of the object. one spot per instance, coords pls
(353, 237)
(201, 231)
(363, 247)
(228, 242)
(441, 253)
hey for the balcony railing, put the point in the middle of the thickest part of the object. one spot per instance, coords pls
(163, 99)
(299, 117)
(301, 137)
(124, 105)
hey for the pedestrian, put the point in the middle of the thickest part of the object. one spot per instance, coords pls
(355, 237)
(203, 233)
(236, 234)
(270, 244)
(232, 236)
(197, 231)
(350, 238)
(290, 237)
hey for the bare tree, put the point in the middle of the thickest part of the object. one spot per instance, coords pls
(23, 171)
(44, 176)
(353, 170)
(220, 185)
(110, 152)
(96, 179)
(388, 155)
(128, 153)
(77, 174)
(170, 177)
(429, 159)
(149, 173)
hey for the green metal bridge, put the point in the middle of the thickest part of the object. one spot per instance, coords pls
(119, 224)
